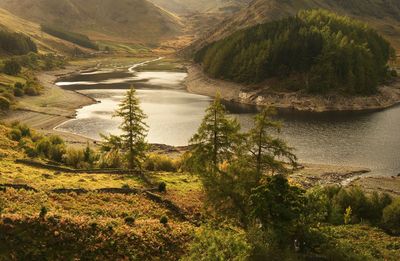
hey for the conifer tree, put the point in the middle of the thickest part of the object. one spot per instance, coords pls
(267, 153)
(134, 129)
(217, 138)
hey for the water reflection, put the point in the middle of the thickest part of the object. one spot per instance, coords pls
(358, 139)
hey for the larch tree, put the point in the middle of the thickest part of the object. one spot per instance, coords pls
(216, 139)
(268, 154)
(134, 129)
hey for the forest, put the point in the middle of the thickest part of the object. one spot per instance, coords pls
(72, 37)
(316, 51)
(16, 43)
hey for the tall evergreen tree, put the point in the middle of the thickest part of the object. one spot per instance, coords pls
(267, 153)
(217, 138)
(134, 129)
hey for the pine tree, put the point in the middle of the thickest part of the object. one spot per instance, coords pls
(134, 129)
(216, 139)
(268, 154)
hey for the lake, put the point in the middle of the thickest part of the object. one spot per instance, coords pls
(365, 139)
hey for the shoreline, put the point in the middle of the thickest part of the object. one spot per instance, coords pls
(199, 83)
(53, 107)
(56, 105)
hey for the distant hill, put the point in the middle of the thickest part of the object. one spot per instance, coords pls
(383, 15)
(316, 51)
(44, 41)
(189, 6)
(122, 20)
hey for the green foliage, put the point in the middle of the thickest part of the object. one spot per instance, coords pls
(232, 164)
(218, 245)
(319, 50)
(164, 220)
(12, 67)
(162, 187)
(157, 162)
(130, 220)
(391, 217)
(18, 92)
(347, 216)
(16, 43)
(51, 147)
(72, 37)
(4, 104)
(43, 213)
(336, 202)
(278, 206)
(132, 142)
(216, 140)
(75, 158)
(265, 149)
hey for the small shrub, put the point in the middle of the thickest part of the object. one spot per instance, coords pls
(162, 187)
(130, 220)
(31, 91)
(164, 220)
(213, 244)
(18, 85)
(74, 158)
(391, 217)
(4, 103)
(15, 135)
(125, 186)
(156, 162)
(347, 216)
(12, 67)
(43, 213)
(18, 92)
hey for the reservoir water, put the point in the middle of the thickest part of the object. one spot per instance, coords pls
(367, 139)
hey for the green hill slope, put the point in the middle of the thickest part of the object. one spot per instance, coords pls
(123, 20)
(315, 50)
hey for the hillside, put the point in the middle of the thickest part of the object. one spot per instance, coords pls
(383, 15)
(190, 6)
(316, 51)
(124, 20)
(44, 41)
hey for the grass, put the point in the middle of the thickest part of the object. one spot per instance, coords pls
(370, 242)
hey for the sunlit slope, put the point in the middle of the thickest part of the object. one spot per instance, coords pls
(383, 15)
(122, 20)
(187, 6)
(44, 41)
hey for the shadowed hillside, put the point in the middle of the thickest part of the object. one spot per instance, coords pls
(124, 20)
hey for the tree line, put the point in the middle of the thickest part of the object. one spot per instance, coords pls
(72, 37)
(16, 43)
(316, 50)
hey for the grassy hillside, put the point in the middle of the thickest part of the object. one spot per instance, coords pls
(123, 20)
(383, 15)
(90, 225)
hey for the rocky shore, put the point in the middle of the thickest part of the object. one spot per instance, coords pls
(261, 95)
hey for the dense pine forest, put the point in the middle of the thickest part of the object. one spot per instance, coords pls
(315, 50)
(16, 43)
